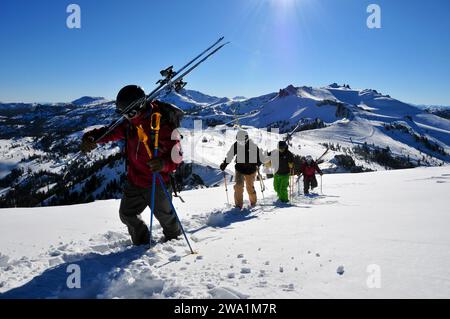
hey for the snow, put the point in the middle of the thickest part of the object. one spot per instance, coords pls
(318, 246)
(321, 246)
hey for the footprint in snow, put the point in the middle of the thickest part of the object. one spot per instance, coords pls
(170, 249)
(195, 239)
(175, 258)
(245, 270)
(289, 287)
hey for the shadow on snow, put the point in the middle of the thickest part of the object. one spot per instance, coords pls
(95, 269)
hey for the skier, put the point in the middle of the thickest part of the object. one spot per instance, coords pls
(309, 169)
(248, 160)
(137, 191)
(285, 160)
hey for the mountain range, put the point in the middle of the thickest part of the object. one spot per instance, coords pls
(363, 129)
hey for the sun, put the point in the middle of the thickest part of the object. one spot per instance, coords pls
(286, 6)
(284, 3)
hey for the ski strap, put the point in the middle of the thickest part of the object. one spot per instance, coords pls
(143, 138)
(155, 122)
(174, 188)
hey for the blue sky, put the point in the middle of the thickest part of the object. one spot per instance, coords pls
(274, 43)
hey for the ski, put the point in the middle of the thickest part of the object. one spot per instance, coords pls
(171, 81)
(324, 153)
(289, 135)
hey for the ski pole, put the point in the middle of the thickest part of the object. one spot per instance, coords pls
(263, 187)
(226, 187)
(154, 125)
(161, 182)
(291, 183)
(293, 186)
(321, 183)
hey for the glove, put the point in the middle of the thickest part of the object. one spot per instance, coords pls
(87, 143)
(223, 166)
(156, 164)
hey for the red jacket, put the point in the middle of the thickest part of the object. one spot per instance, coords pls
(309, 171)
(139, 172)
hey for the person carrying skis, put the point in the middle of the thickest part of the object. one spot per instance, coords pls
(309, 168)
(137, 191)
(282, 160)
(248, 160)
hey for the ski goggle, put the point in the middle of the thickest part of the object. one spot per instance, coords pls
(242, 142)
(131, 114)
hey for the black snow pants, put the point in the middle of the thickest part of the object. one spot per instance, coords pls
(134, 201)
(309, 182)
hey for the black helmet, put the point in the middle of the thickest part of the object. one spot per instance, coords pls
(128, 95)
(282, 145)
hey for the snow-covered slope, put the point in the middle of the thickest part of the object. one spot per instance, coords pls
(370, 235)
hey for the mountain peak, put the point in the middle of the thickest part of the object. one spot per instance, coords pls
(84, 100)
(289, 90)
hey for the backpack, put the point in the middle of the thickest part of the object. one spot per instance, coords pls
(171, 115)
